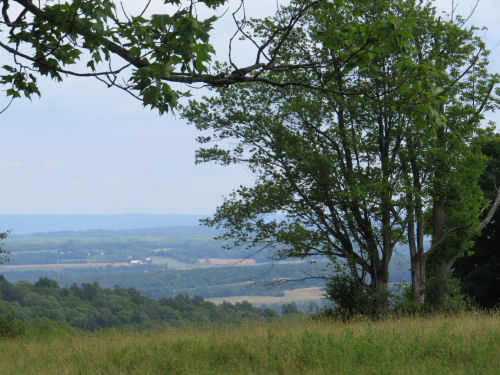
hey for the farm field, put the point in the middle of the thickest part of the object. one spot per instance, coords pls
(66, 265)
(171, 261)
(465, 344)
(290, 295)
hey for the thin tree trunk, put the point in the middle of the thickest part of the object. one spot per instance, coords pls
(416, 219)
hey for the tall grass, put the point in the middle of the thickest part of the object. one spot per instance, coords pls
(463, 344)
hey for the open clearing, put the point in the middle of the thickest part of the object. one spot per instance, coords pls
(444, 345)
(291, 295)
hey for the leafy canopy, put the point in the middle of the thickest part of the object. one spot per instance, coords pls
(143, 53)
(341, 170)
(327, 159)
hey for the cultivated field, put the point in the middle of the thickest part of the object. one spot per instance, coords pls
(291, 295)
(67, 265)
(466, 344)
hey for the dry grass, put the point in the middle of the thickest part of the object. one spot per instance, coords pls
(291, 295)
(465, 344)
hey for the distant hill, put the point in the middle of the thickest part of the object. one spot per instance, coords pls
(183, 231)
(25, 224)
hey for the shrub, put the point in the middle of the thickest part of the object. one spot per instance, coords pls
(45, 327)
(10, 326)
(455, 300)
(404, 301)
(350, 299)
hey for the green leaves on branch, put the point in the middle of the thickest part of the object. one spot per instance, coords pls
(3, 253)
(137, 53)
(19, 83)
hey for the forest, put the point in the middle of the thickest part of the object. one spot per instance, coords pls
(90, 307)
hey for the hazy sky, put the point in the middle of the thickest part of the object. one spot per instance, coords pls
(84, 148)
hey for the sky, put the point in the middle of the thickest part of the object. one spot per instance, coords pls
(83, 148)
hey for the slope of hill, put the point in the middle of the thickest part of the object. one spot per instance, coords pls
(23, 224)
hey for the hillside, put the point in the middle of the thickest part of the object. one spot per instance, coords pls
(25, 224)
(91, 307)
(168, 261)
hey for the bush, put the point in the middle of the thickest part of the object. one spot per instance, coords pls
(455, 300)
(350, 299)
(289, 308)
(45, 327)
(10, 326)
(404, 301)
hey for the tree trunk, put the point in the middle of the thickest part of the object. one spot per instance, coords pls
(439, 271)
(416, 219)
(380, 292)
(418, 279)
(441, 259)
(417, 258)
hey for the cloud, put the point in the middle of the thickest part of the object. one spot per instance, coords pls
(50, 164)
(13, 164)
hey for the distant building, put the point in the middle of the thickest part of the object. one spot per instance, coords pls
(138, 262)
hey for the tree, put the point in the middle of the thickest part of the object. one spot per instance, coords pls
(328, 160)
(360, 165)
(3, 253)
(142, 54)
(479, 269)
(445, 160)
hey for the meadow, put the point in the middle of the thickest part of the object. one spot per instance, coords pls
(461, 344)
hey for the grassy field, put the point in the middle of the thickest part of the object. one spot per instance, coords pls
(465, 344)
(291, 295)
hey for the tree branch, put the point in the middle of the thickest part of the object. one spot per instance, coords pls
(491, 212)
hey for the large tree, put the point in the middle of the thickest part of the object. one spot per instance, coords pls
(444, 156)
(362, 164)
(327, 160)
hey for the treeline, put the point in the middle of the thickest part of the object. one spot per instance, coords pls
(205, 282)
(266, 280)
(91, 307)
(164, 231)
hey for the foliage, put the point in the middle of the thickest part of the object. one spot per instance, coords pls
(406, 304)
(442, 153)
(455, 300)
(91, 307)
(479, 269)
(141, 53)
(205, 282)
(330, 161)
(404, 301)
(52, 38)
(3, 252)
(355, 167)
(10, 326)
(47, 328)
(349, 298)
(289, 309)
